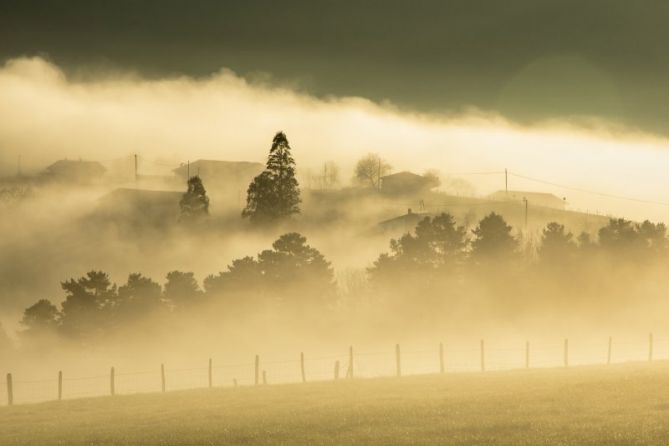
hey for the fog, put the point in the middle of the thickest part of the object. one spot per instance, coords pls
(47, 116)
(430, 289)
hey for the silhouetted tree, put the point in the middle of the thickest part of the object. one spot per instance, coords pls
(370, 169)
(242, 277)
(655, 236)
(436, 245)
(194, 203)
(139, 297)
(41, 317)
(181, 289)
(274, 194)
(291, 272)
(493, 239)
(633, 240)
(620, 235)
(85, 301)
(557, 245)
(293, 260)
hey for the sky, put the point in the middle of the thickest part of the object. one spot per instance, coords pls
(526, 59)
(567, 92)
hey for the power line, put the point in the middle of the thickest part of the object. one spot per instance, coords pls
(586, 191)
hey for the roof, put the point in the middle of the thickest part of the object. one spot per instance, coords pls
(404, 175)
(78, 165)
(404, 222)
(212, 166)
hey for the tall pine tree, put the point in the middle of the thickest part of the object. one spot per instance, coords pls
(274, 194)
(194, 203)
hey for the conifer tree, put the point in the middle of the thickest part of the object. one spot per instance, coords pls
(274, 194)
(194, 202)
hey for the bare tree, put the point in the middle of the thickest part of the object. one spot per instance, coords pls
(370, 169)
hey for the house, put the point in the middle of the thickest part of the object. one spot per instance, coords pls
(406, 183)
(402, 224)
(231, 175)
(74, 171)
(533, 198)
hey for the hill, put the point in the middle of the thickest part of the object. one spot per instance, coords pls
(616, 405)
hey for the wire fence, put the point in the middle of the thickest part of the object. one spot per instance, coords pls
(397, 360)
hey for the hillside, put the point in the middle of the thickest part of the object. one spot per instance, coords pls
(616, 405)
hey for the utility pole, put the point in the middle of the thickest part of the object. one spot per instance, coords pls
(188, 170)
(525, 200)
(136, 176)
(378, 175)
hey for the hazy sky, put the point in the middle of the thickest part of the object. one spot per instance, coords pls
(527, 59)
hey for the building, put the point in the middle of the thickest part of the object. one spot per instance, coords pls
(402, 224)
(533, 198)
(231, 175)
(406, 183)
(74, 171)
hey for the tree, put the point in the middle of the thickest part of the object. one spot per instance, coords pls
(624, 237)
(274, 194)
(41, 317)
(86, 303)
(295, 270)
(139, 297)
(181, 288)
(290, 272)
(432, 177)
(242, 277)
(370, 169)
(493, 239)
(437, 244)
(194, 203)
(557, 245)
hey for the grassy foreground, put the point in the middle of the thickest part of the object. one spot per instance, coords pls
(617, 405)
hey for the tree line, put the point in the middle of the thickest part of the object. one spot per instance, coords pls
(429, 260)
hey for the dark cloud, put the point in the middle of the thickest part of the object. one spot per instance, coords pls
(528, 59)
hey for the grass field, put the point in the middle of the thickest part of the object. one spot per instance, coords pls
(616, 405)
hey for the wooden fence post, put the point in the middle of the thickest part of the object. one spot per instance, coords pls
(350, 362)
(527, 354)
(264, 377)
(60, 385)
(10, 390)
(566, 352)
(650, 347)
(257, 377)
(398, 360)
(304, 376)
(162, 377)
(336, 370)
(211, 381)
(482, 355)
(112, 384)
(441, 357)
(608, 355)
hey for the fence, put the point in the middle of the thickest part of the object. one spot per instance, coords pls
(397, 361)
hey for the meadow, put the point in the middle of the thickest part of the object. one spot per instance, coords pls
(623, 404)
